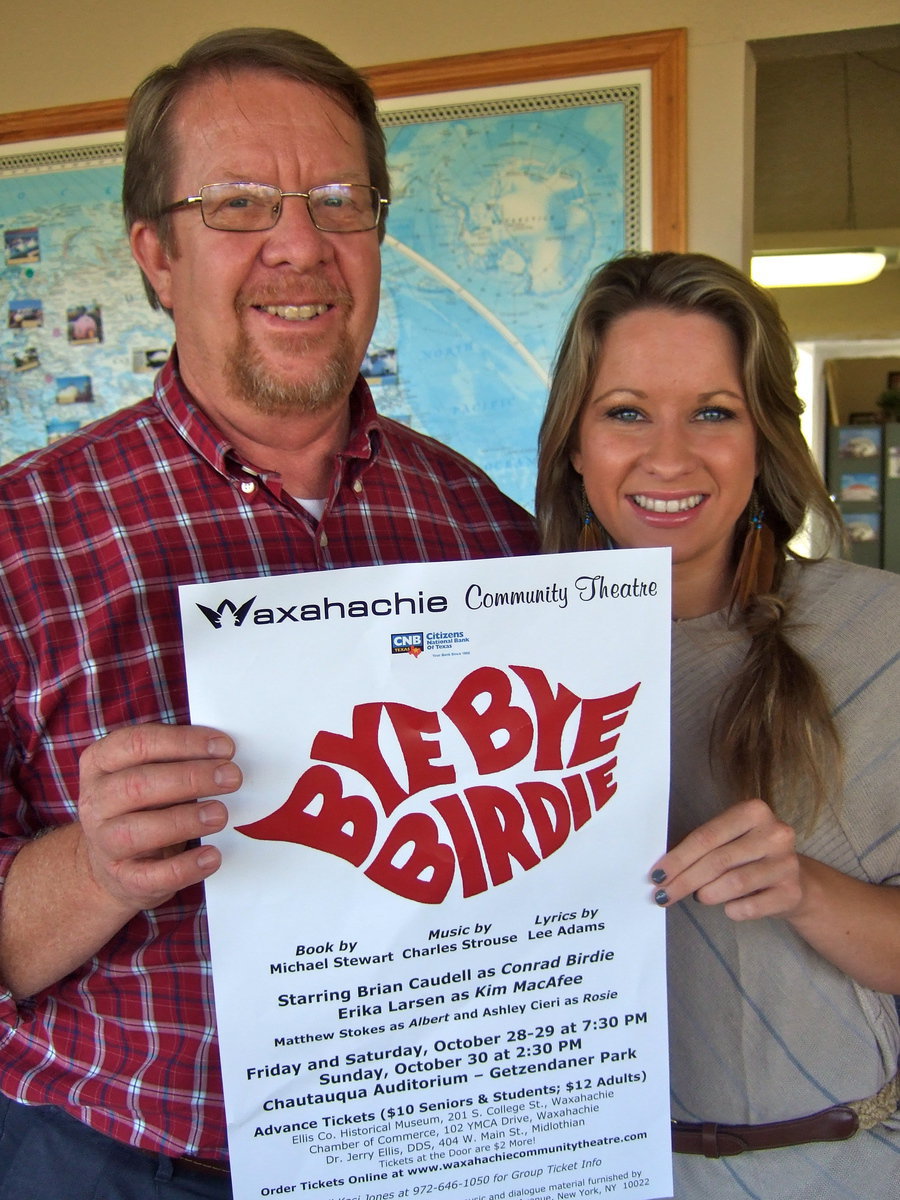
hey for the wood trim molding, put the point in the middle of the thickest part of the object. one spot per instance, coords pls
(68, 120)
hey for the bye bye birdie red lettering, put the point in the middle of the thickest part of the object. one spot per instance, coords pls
(477, 831)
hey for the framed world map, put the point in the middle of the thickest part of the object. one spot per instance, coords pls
(515, 174)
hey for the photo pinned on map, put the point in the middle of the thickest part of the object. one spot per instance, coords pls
(26, 359)
(144, 361)
(60, 427)
(85, 324)
(25, 314)
(379, 367)
(22, 246)
(74, 389)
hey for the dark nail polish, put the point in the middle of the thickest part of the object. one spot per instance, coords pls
(659, 875)
(661, 897)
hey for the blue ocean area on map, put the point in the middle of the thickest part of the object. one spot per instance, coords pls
(496, 222)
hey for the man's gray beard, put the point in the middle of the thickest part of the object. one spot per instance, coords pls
(253, 382)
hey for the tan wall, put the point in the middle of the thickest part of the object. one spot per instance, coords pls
(100, 51)
(865, 310)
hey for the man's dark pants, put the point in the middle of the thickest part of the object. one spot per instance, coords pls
(47, 1155)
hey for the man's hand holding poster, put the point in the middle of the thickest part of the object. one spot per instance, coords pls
(436, 960)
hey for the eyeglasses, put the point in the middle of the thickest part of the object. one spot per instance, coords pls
(251, 207)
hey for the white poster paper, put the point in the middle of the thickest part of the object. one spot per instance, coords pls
(438, 967)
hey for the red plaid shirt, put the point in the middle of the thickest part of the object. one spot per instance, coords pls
(96, 534)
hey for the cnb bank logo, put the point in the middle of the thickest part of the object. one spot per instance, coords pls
(407, 643)
(215, 616)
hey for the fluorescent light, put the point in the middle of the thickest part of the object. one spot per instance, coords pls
(816, 270)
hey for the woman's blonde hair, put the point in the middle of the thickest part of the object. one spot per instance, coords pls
(774, 732)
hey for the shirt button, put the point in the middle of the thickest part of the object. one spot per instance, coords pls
(323, 539)
(357, 486)
(248, 487)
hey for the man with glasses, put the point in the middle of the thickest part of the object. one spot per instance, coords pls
(255, 195)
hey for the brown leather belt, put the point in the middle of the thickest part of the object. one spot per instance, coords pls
(719, 1141)
(830, 1125)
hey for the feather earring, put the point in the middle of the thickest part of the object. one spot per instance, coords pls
(755, 572)
(592, 536)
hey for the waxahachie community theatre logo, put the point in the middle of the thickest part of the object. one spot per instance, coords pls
(325, 608)
(238, 614)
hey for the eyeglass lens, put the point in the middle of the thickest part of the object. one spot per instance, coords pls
(334, 207)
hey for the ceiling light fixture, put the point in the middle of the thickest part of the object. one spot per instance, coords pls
(816, 270)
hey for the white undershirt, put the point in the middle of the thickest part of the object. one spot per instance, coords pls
(314, 507)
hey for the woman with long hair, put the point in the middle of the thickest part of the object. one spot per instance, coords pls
(673, 420)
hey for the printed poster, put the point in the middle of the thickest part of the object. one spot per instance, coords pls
(438, 968)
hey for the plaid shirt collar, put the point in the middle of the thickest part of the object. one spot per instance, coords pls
(203, 436)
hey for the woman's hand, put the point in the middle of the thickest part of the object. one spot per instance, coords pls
(743, 859)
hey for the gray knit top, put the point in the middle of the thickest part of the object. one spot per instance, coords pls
(763, 1028)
